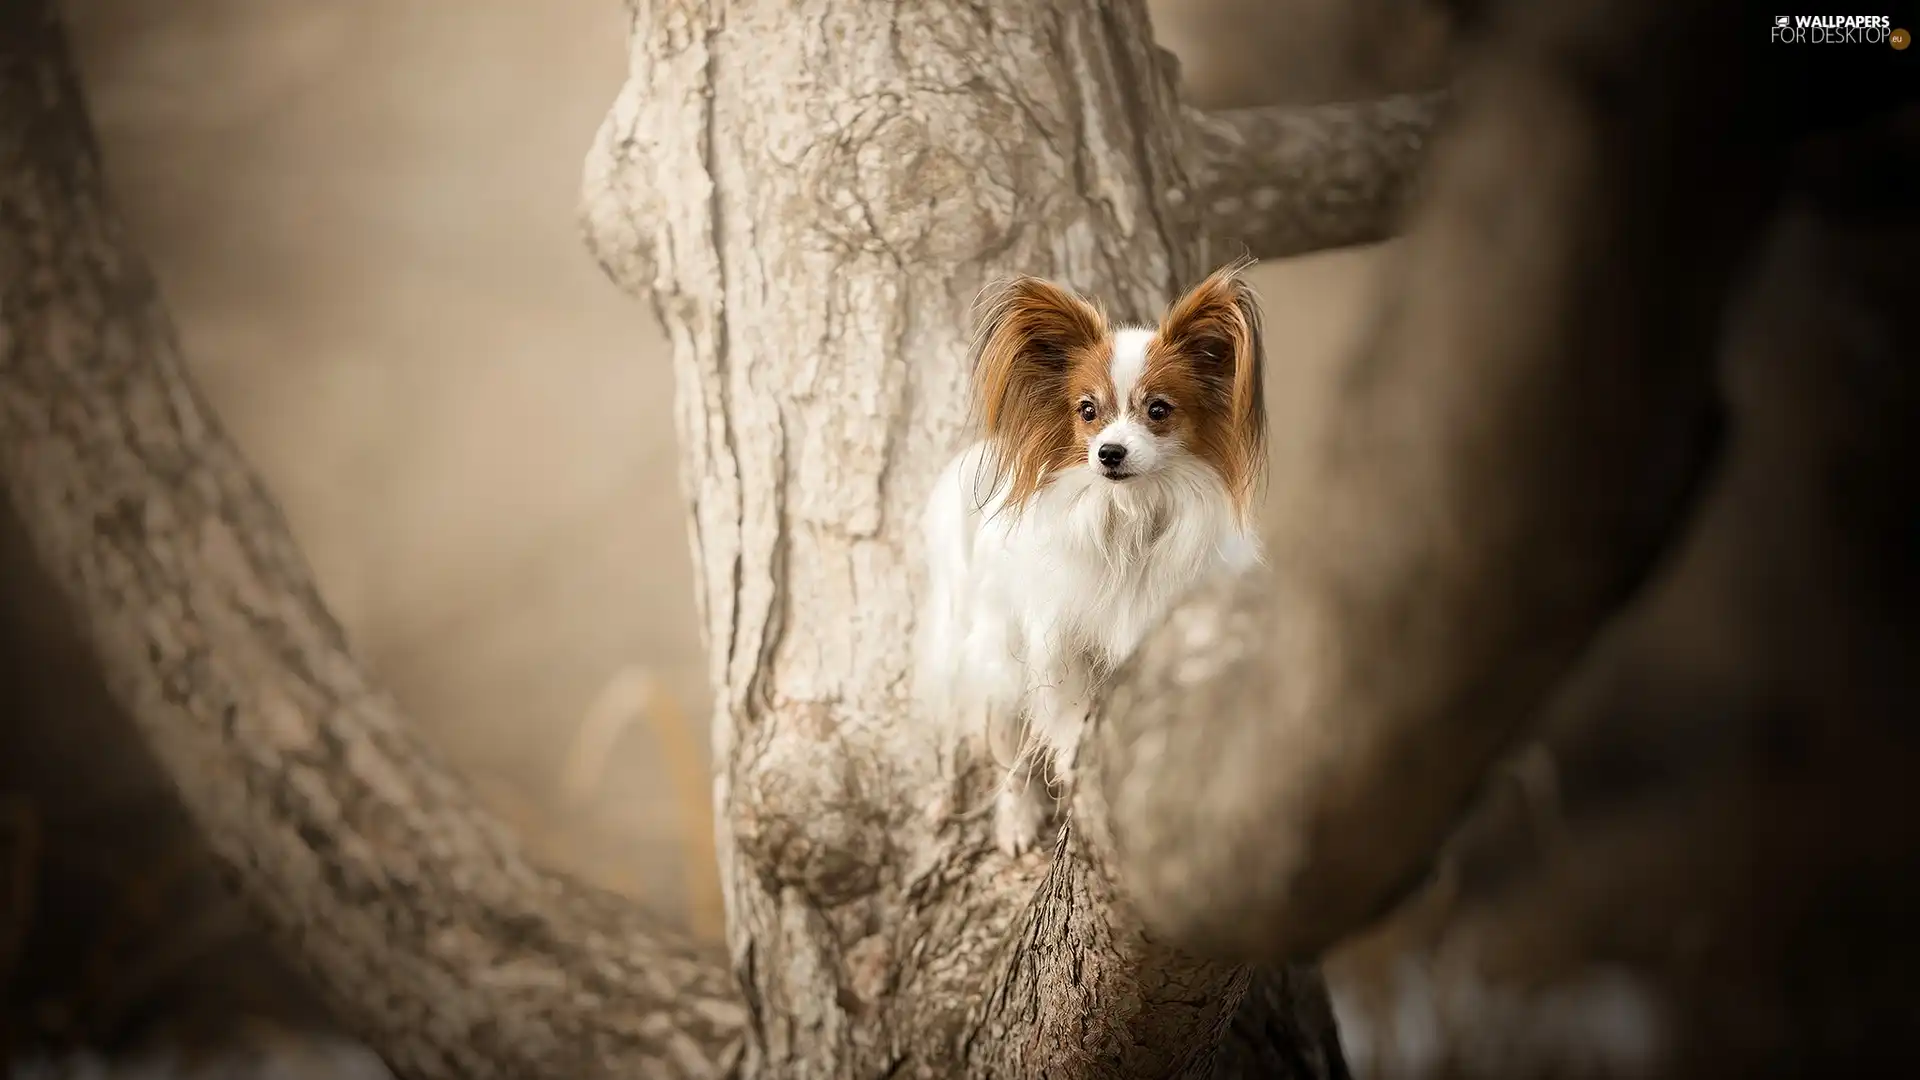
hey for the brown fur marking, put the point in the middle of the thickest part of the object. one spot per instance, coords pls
(1034, 340)
(1210, 352)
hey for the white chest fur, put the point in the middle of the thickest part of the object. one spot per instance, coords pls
(1026, 612)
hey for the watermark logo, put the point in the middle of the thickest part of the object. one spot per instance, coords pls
(1838, 30)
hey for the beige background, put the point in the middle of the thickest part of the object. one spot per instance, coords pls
(362, 215)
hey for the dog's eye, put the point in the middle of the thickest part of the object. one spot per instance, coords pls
(1158, 411)
(1088, 412)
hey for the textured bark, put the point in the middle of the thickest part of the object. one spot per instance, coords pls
(1285, 180)
(419, 918)
(1504, 463)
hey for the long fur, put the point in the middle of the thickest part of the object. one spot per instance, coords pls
(1044, 570)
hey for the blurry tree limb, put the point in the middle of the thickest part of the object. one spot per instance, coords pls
(20, 840)
(420, 920)
(1506, 459)
(1281, 180)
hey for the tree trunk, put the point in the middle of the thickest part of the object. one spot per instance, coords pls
(812, 193)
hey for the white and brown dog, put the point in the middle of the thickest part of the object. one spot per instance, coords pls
(1115, 466)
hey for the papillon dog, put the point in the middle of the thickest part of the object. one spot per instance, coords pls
(1113, 468)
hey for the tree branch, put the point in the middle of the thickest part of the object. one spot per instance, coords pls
(1290, 180)
(421, 920)
(1502, 464)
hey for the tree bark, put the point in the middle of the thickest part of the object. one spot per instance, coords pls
(812, 194)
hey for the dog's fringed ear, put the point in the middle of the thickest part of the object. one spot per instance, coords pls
(1029, 332)
(1217, 326)
(1026, 332)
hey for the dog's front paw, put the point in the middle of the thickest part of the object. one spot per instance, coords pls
(1019, 819)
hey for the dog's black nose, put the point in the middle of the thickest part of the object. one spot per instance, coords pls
(1112, 454)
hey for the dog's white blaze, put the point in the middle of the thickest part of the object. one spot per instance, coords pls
(1129, 362)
